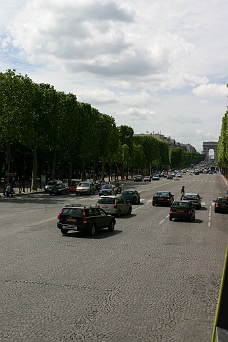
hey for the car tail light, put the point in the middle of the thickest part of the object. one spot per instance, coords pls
(115, 205)
(59, 214)
(216, 204)
(170, 210)
(84, 219)
(189, 211)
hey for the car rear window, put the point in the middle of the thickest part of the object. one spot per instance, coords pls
(180, 204)
(223, 200)
(72, 212)
(106, 201)
(127, 192)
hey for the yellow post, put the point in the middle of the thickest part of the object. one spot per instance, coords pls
(221, 315)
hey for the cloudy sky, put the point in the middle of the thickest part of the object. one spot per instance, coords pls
(157, 66)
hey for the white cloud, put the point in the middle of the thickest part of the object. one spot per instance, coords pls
(154, 65)
(211, 90)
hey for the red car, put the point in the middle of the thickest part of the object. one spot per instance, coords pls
(147, 179)
(73, 186)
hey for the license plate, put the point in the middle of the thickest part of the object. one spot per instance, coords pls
(161, 199)
(71, 220)
(180, 211)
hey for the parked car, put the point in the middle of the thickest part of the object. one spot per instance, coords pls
(85, 188)
(59, 189)
(221, 205)
(131, 195)
(50, 184)
(182, 210)
(73, 185)
(169, 176)
(138, 178)
(84, 218)
(114, 205)
(162, 198)
(107, 189)
(147, 179)
(194, 198)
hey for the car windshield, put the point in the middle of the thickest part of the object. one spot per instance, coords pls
(106, 186)
(83, 184)
(128, 192)
(106, 200)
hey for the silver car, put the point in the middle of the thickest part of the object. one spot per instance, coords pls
(85, 188)
(115, 205)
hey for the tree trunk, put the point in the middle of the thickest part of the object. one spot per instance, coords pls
(34, 168)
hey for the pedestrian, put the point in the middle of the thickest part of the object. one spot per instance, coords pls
(8, 190)
(182, 192)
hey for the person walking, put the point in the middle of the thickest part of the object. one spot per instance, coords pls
(182, 192)
(8, 190)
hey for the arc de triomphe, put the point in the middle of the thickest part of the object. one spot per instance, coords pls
(210, 145)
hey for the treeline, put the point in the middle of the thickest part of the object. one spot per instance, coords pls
(48, 132)
(222, 151)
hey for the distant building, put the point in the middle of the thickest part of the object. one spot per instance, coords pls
(171, 142)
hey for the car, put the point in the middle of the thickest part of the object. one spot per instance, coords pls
(50, 185)
(115, 205)
(147, 179)
(138, 178)
(162, 198)
(85, 188)
(131, 195)
(59, 189)
(169, 176)
(221, 205)
(155, 177)
(77, 217)
(194, 198)
(73, 185)
(183, 210)
(107, 189)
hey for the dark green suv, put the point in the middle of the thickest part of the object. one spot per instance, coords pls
(84, 218)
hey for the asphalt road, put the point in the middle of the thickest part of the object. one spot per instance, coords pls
(150, 280)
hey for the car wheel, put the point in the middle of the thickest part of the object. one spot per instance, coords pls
(170, 218)
(93, 230)
(216, 210)
(153, 203)
(64, 231)
(111, 227)
(129, 211)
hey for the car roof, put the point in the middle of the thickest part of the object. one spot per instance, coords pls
(190, 194)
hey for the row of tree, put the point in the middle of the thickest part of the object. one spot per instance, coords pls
(222, 150)
(44, 131)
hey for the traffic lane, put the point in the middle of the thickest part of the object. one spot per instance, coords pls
(124, 280)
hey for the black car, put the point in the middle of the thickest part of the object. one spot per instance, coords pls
(194, 198)
(108, 189)
(162, 198)
(221, 205)
(131, 195)
(59, 189)
(138, 178)
(182, 210)
(50, 185)
(84, 218)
